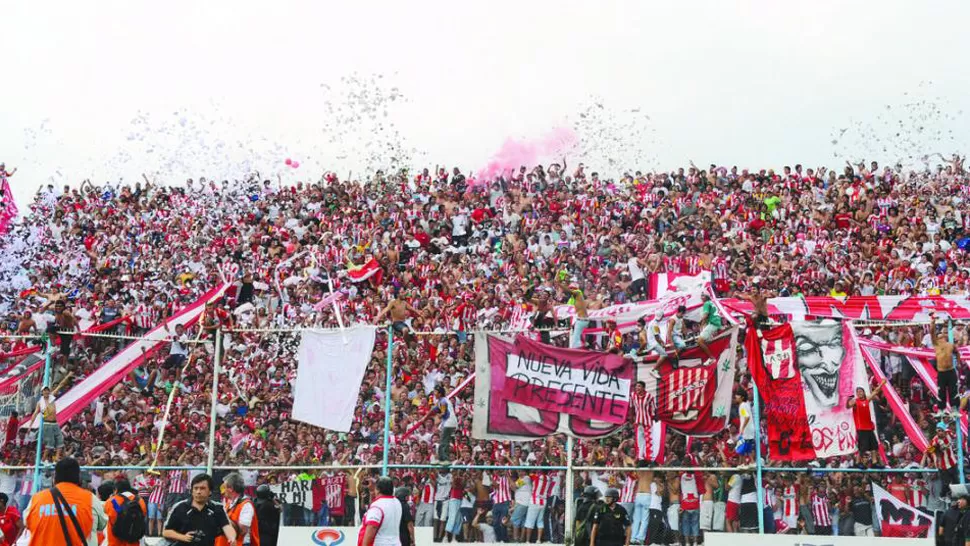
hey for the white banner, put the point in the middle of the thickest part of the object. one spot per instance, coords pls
(733, 539)
(899, 519)
(331, 370)
(298, 492)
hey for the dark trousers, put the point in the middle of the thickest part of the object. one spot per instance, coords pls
(948, 389)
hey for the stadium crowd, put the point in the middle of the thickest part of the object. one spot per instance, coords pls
(441, 254)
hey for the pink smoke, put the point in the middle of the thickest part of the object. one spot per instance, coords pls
(516, 153)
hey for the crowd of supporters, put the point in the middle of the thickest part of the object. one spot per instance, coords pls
(444, 254)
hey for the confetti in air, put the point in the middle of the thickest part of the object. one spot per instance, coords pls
(917, 131)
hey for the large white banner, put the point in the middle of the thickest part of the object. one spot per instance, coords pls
(331, 370)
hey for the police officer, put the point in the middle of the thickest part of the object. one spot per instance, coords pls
(406, 530)
(585, 505)
(611, 524)
(268, 515)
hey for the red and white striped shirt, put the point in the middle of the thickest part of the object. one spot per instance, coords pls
(945, 459)
(917, 493)
(644, 409)
(540, 489)
(501, 490)
(177, 482)
(629, 489)
(789, 497)
(334, 488)
(427, 493)
(157, 494)
(820, 510)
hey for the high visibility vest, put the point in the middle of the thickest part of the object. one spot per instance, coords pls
(234, 514)
(45, 526)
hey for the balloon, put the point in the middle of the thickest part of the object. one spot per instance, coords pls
(289, 161)
(295, 164)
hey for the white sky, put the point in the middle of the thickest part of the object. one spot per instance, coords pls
(757, 84)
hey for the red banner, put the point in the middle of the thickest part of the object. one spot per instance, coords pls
(773, 366)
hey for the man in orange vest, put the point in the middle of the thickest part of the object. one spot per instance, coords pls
(43, 514)
(241, 512)
(112, 506)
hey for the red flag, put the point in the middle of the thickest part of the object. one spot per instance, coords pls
(366, 271)
(772, 362)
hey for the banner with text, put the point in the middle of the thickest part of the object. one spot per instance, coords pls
(899, 519)
(525, 390)
(917, 308)
(583, 383)
(298, 492)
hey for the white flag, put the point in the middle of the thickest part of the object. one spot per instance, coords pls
(331, 370)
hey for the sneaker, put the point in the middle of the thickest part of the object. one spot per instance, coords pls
(654, 373)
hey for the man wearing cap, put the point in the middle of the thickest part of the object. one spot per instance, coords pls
(80, 508)
(941, 451)
(611, 524)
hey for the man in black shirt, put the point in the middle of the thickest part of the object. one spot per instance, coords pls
(611, 524)
(861, 509)
(407, 519)
(268, 516)
(950, 521)
(198, 521)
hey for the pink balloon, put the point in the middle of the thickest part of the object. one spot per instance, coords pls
(295, 164)
(289, 161)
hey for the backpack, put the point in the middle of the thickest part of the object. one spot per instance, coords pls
(129, 526)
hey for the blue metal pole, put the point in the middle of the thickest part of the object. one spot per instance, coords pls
(40, 426)
(387, 399)
(756, 409)
(949, 337)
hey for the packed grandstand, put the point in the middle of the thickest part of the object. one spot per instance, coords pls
(444, 257)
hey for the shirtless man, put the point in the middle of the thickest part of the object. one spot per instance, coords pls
(582, 316)
(642, 517)
(398, 310)
(945, 356)
(759, 304)
(27, 325)
(707, 502)
(673, 509)
(65, 322)
(46, 405)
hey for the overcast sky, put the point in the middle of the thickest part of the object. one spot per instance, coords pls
(188, 88)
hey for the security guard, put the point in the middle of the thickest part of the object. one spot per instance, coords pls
(611, 524)
(585, 505)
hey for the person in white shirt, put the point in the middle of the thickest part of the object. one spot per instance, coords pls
(485, 528)
(382, 521)
(522, 499)
(441, 496)
(746, 437)
(449, 423)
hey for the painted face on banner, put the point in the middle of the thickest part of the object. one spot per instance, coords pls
(820, 353)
